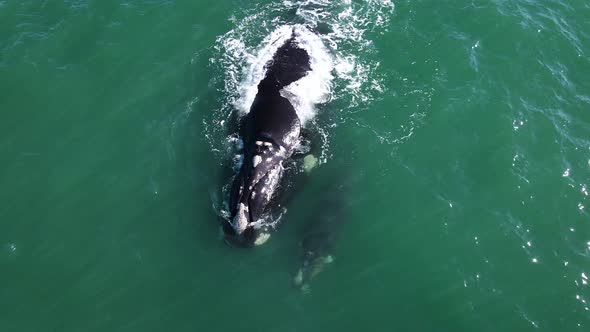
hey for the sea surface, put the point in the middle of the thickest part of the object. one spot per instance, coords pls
(461, 130)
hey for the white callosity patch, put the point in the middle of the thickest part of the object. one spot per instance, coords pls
(240, 221)
(270, 160)
(268, 186)
(256, 160)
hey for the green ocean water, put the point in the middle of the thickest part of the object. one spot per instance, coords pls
(462, 131)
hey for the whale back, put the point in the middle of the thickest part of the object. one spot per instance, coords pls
(289, 64)
(270, 132)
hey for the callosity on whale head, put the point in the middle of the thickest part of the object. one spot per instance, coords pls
(252, 190)
(270, 131)
(269, 140)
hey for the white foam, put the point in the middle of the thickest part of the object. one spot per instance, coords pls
(305, 93)
(338, 52)
(315, 87)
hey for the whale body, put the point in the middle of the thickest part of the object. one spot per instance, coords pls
(270, 132)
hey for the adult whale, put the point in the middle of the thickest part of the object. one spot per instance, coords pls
(270, 132)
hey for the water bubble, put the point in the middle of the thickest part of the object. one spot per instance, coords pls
(566, 173)
(514, 159)
(516, 124)
(10, 248)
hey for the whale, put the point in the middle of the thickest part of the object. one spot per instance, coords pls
(270, 133)
(325, 218)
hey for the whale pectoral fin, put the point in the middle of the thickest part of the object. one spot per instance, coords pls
(310, 162)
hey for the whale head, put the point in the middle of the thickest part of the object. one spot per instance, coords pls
(270, 132)
(253, 189)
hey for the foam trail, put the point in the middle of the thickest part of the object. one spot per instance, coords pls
(335, 35)
(340, 69)
(312, 89)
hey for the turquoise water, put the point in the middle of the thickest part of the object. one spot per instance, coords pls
(461, 128)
